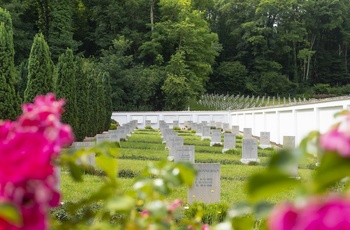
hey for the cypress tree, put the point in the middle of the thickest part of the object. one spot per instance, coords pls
(9, 101)
(40, 70)
(82, 89)
(93, 103)
(108, 99)
(101, 106)
(66, 87)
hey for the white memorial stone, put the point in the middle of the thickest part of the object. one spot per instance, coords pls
(249, 151)
(102, 138)
(229, 142)
(148, 123)
(226, 127)
(184, 153)
(289, 143)
(206, 133)
(206, 187)
(247, 133)
(265, 140)
(176, 124)
(235, 129)
(215, 137)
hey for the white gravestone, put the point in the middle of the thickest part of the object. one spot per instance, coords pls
(176, 142)
(184, 153)
(235, 129)
(247, 133)
(206, 187)
(289, 143)
(205, 123)
(229, 142)
(218, 125)
(206, 133)
(88, 159)
(122, 133)
(215, 137)
(176, 124)
(265, 140)
(249, 151)
(148, 123)
(102, 138)
(169, 139)
(226, 127)
(212, 124)
(199, 130)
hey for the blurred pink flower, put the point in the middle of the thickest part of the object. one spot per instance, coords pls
(335, 140)
(175, 204)
(28, 147)
(314, 215)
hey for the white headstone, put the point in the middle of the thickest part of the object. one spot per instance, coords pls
(148, 123)
(235, 129)
(289, 143)
(226, 127)
(215, 137)
(212, 124)
(176, 124)
(218, 125)
(88, 159)
(265, 140)
(247, 133)
(206, 133)
(206, 187)
(102, 138)
(184, 153)
(249, 151)
(229, 142)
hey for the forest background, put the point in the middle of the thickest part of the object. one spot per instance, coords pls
(159, 54)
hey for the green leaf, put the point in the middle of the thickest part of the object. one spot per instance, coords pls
(10, 213)
(186, 171)
(262, 209)
(108, 165)
(120, 203)
(285, 160)
(75, 171)
(268, 183)
(332, 169)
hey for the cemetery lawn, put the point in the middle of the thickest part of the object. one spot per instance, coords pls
(145, 146)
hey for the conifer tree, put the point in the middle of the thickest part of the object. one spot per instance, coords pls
(101, 106)
(108, 99)
(40, 70)
(82, 95)
(93, 103)
(66, 87)
(9, 101)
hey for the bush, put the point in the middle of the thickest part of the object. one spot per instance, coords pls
(113, 126)
(176, 128)
(149, 127)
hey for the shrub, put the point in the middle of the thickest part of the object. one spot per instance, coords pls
(113, 126)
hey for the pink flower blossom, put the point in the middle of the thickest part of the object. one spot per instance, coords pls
(175, 204)
(28, 147)
(337, 141)
(314, 215)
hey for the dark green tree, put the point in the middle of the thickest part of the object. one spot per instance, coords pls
(40, 70)
(93, 126)
(108, 99)
(9, 101)
(66, 87)
(82, 95)
(101, 104)
(61, 28)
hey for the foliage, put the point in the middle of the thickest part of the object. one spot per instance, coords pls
(66, 88)
(40, 70)
(9, 100)
(108, 99)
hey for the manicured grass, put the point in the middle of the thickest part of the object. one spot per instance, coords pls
(145, 145)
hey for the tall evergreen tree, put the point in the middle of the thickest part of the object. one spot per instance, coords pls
(40, 69)
(93, 102)
(66, 87)
(108, 99)
(101, 106)
(82, 95)
(9, 101)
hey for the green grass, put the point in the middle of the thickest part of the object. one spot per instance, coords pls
(146, 146)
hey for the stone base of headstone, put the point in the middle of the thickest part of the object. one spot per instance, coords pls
(247, 161)
(170, 158)
(88, 159)
(206, 137)
(264, 146)
(215, 143)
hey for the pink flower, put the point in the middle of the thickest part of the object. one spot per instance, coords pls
(175, 204)
(314, 215)
(337, 141)
(28, 147)
(205, 227)
(145, 213)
